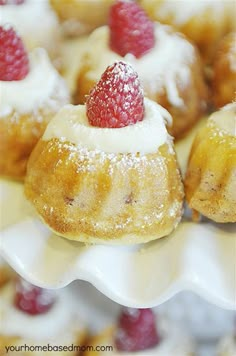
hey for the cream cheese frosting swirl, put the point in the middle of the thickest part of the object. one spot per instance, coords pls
(71, 124)
(34, 20)
(34, 90)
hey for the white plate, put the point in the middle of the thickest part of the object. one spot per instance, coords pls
(197, 257)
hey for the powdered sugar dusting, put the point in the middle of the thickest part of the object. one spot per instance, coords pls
(86, 162)
(225, 120)
(44, 298)
(117, 99)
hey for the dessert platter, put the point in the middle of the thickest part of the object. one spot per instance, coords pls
(94, 187)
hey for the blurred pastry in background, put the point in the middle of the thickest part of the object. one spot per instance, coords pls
(35, 22)
(31, 93)
(224, 72)
(167, 63)
(138, 331)
(203, 22)
(33, 316)
(81, 16)
(72, 54)
(210, 183)
(106, 172)
(5, 272)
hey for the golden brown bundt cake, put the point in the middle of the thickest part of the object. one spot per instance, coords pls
(100, 175)
(210, 182)
(28, 101)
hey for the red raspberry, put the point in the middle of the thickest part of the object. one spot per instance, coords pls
(117, 99)
(131, 31)
(14, 62)
(136, 330)
(31, 299)
(11, 2)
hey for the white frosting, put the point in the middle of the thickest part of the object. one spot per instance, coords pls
(183, 11)
(160, 69)
(71, 124)
(225, 119)
(34, 90)
(34, 20)
(56, 322)
(227, 346)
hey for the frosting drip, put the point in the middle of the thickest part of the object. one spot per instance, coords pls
(163, 68)
(71, 124)
(30, 93)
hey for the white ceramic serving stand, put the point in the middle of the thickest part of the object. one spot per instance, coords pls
(198, 257)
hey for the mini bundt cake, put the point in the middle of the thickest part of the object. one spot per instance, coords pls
(167, 63)
(107, 171)
(36, 321)
(224, 72)
(31, 93)
(203, 22)
(211, 175)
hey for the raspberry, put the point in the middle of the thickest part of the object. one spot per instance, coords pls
(117, 99)
(136, 330)
(14, 62)
(131, 31)
(11, 2)
(31, 299)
